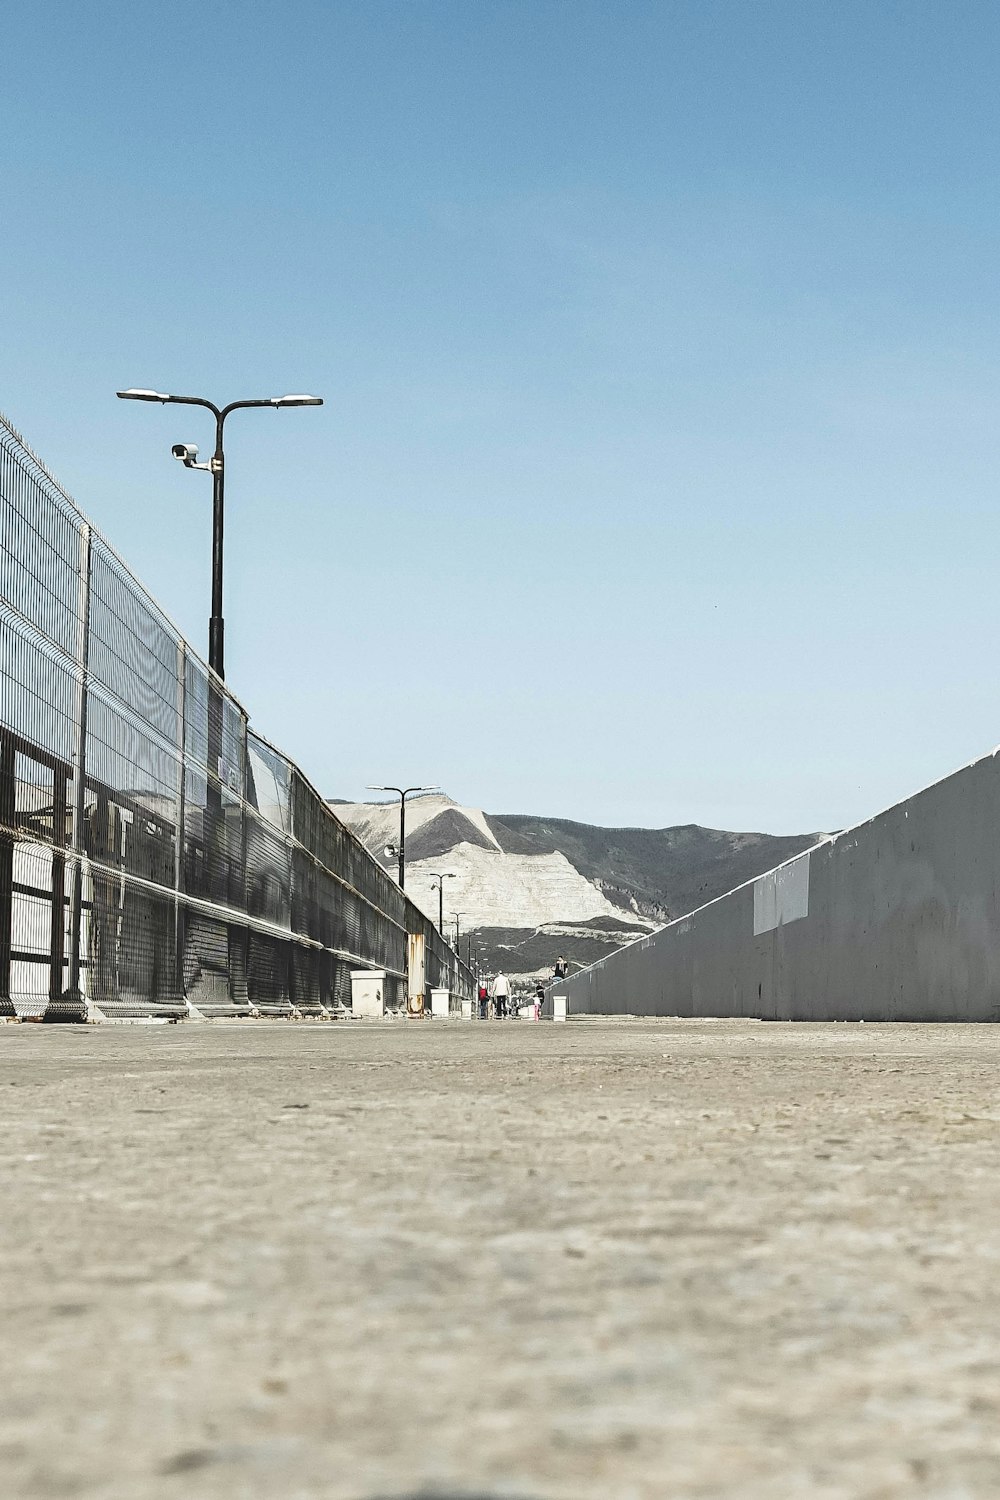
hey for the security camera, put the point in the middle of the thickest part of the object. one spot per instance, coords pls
(187, 453)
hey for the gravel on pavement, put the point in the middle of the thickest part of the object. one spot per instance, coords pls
(614, 1260)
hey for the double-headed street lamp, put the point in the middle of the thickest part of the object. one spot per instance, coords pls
(216, 466)
(456, 915)
(402, 793)
(440, 890)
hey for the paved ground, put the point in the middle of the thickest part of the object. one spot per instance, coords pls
(585, 1262)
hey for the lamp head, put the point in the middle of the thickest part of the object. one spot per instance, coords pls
(137, 395)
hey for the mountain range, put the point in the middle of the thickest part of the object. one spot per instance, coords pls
(525, 889)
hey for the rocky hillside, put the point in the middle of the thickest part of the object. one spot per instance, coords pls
(527, 888)
(658, 872)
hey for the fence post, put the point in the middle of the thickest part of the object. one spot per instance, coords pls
(71, 1004)
(181, 816)
(8, 804)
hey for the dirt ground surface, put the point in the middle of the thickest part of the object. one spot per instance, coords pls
(603, 1259)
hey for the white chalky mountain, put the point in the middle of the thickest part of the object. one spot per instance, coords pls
(531, 888)
(489, 887)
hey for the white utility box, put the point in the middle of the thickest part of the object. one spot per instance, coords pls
(559, 1007)
(440, 1003)
(368, 993)
(466, 1010)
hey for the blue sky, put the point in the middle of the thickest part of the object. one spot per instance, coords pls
(658, 476)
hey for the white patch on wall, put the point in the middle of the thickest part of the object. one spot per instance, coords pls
(781, 896)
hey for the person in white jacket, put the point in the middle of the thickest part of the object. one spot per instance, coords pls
(501, 995)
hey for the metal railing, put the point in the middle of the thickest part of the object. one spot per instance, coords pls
(158, 858)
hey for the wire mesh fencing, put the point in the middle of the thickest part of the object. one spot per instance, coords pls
(158, 857)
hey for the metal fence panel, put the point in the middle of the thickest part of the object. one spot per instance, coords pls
(157, 857)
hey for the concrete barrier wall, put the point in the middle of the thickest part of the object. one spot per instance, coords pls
(897, 919)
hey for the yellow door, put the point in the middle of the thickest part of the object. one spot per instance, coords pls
(415, 973)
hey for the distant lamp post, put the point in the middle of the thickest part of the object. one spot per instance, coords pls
(440, 890)
(187, 454)
(456, 915)
(402, 793)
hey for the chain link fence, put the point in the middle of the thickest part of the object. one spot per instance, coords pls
(158, 857)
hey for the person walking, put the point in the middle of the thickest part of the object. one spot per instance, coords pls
(501, 996)
(484, 999)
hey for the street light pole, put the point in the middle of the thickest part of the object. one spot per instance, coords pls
(216, 624)
(402, 793)
(448, 875)
(217, 468)
(456, 915)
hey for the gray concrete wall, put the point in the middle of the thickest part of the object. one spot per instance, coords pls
(897, 919)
